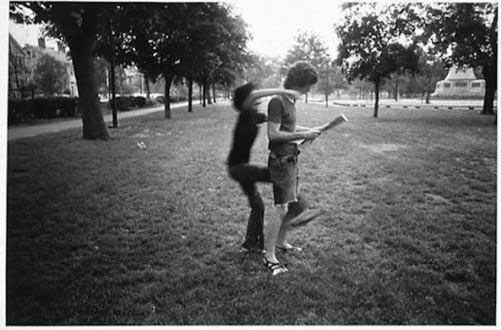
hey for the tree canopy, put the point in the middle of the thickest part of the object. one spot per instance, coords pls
(465, 34)
(76, 24)
(197, 41)
(50, 75)
(373, 42)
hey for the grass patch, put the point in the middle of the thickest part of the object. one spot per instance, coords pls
(107, 233)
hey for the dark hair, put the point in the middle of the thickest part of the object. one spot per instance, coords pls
(300, 74)
(241, 93)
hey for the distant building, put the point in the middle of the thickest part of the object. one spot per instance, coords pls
(24, 59)
(460, 84)
(60, 55)
(18, 75)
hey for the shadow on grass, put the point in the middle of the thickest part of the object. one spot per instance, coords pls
(107, 233)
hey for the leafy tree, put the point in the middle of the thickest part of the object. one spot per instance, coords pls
(466, 35)
(263, 70)
(361, 86)
(175, 40)
(218, 47)
(395, 83)
(156, 41)
(307, 47)
(77, 24)
(50, 75)
(232, 49)
(371, 44)
(101, 66)
(338, 80)
(326, 83)
(431, 71)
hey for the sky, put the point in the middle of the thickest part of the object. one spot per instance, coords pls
(275, 23)
(27, 34)
(272, 23)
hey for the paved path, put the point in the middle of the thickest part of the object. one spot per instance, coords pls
(20, 132)
(416, 104)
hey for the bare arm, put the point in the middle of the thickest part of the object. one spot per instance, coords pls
(267, 92)
(276, 135)
(302, 128)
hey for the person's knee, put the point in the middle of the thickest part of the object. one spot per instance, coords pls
(256, 202)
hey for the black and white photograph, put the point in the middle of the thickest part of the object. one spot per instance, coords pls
(250, 163)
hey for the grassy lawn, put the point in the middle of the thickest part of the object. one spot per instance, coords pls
(110, 233)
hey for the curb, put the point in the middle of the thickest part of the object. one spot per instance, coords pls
(417, 107)
(20, 132)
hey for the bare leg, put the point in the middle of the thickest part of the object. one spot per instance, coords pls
(298, 214)
(274, 226)
(282, 233)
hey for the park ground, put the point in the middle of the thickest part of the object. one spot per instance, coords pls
(146, 228)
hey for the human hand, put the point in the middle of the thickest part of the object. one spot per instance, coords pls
(312, 134)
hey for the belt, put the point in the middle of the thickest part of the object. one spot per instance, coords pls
(287, 158)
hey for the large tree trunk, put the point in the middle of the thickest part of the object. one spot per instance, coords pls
(427, 96)
(168, 82)
(113, 92)
(490, 76)
(376, 103)
(207, 90)
(490, 72)
(147, 86)
(190, 95)
(88, 101)
(204, 93)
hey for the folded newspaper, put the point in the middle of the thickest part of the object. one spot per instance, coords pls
(338, 120)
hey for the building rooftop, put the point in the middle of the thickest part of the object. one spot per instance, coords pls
(460, 74)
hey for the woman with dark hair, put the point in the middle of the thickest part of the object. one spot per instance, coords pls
(247, 175)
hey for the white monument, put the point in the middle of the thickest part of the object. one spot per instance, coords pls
(460, 84)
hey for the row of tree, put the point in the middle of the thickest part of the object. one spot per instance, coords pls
(204, 43)
(380, 40)
(199, 42)
(308, 46)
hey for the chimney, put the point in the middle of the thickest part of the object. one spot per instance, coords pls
(41, 43)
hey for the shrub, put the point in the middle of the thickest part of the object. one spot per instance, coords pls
(125, 103)
(21, 111)
(139, 101)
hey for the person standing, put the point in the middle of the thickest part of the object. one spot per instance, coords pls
(240, 169)
(283, 163)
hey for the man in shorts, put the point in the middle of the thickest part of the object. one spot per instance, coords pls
(245, 101)
(283, 163)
